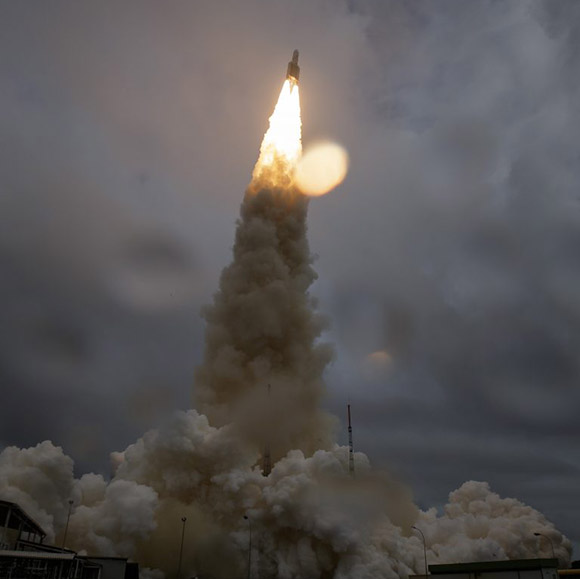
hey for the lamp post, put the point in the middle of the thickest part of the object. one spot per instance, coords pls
(424, 549)
(249, 546)
(551, 543)
(183, 519)
(70, 504)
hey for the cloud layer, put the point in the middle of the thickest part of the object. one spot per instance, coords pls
(127, 134)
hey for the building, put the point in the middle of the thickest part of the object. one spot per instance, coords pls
(24, 555)
(16, 527)
(511, 569)
(111, 568)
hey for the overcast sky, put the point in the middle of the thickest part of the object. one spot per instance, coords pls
(128, 132)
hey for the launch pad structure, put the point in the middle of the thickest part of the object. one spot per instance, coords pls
(267, 458)
(350, 445)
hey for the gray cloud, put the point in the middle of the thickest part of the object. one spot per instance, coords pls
(128, 135)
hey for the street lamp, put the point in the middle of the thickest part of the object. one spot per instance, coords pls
(70, 504)
(424, 549)
(551, 543)
(183, 519)
(249, 546)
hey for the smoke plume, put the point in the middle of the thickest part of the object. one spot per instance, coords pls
(309, 517)
(262, 330)
(263, 367)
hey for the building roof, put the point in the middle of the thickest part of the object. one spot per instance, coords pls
(510, 565)
(31, 522)
(31, 546)
(99, 557)
(37, 555)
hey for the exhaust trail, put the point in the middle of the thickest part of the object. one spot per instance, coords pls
(262, 327)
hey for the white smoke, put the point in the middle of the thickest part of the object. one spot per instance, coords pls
(40, 479)
(262, 329)
(309, 517)
(480, 522)
(108, 518)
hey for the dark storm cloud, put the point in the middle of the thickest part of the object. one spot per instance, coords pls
(465, 269)
(128, 134)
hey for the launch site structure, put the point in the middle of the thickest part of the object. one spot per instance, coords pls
(350, 446)
(267, 459)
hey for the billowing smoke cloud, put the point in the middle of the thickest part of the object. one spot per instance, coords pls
(308, 518)
(262, 330)
(480, 522)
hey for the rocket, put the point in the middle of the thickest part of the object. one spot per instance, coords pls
(293, 72)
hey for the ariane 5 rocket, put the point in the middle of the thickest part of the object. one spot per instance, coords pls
(293, 72)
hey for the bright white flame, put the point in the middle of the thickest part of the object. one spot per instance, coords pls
(321, 169)
(282, 140)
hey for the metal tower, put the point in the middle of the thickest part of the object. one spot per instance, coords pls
(350, 446)
(267, 460)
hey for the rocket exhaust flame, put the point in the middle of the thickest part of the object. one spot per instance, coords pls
(282, 145)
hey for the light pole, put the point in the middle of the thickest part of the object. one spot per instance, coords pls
(424, 549)
(249, 546)
(183, 519)
(70, 504)
(551, 543)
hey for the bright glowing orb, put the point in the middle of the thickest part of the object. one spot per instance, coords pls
(375, 365)
(321, 169)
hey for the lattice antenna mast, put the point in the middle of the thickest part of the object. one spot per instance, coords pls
(350, 446)
(267, 459)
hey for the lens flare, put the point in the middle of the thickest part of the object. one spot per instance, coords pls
(375, 365)
(321, 169)
(282, 142)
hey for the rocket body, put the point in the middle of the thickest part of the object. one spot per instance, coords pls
(293, 71)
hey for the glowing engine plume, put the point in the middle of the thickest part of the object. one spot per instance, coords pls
(282, 146)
